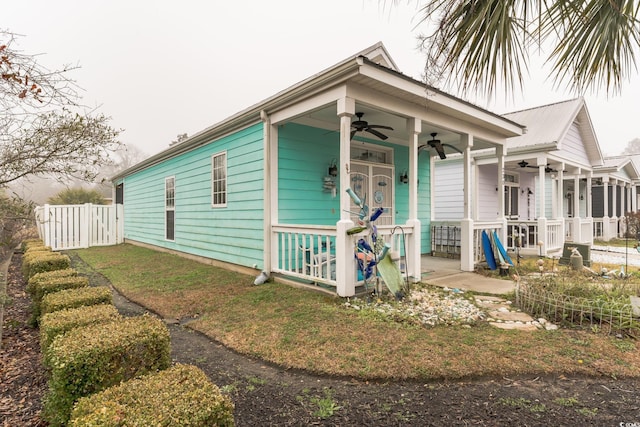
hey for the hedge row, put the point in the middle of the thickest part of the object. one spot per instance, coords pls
(116, 367)
(51, 286)
(30, 243)
(62, 321)
(38, 278)
(72, 298)
(92, 358)
(40, 261)
(179, 396)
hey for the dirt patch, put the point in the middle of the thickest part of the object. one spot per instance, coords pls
(269, 395)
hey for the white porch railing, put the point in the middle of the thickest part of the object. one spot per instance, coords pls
(598, 228)
(568, 229)
(307, 252)
(478, 227)
(522, 233)
(586, 230)
(555, 238)
(64, 227)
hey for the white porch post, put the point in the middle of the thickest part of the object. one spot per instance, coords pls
(345, 265)
(634, 197)
(577, 229)
(501, 207)
(589, 196)
(542, 219)
(614, 207)
(270, 147)
(606, 232)
(466, 224)
(560, 196)
(414, 126)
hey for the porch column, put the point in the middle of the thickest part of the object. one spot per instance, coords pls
(270, 179)
(589, 208)
(501, 207)
(614, 199)
(467, 247)
(634, 197)
(542, 219)
(606, 232)
(627, 188)
(589, 196)
(560, 196)
(345, 265)
(414, 127)
(577, 229)
(614, 208)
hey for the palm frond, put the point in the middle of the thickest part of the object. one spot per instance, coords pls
(597, 47)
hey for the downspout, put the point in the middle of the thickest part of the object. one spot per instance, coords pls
(266, 207)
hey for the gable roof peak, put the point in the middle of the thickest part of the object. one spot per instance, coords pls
(379, 54)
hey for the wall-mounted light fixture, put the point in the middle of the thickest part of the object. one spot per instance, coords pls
(333, 169)
(582, 197)
(404, 177)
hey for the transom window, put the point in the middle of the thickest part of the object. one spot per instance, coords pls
(371, 153)
(219, 180)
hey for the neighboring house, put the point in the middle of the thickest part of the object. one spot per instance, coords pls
(614, 193)
(265, 188)
(539, 194)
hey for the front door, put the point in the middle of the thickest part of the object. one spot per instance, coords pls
(374, 184)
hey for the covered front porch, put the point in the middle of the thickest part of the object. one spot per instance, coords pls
(374, 131)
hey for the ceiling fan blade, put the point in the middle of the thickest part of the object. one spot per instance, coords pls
(380, 127)
(439, 148)
(353, 132)
(376, 133)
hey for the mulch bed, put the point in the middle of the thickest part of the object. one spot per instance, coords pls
(267, 395)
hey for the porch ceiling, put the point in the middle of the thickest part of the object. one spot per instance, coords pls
(326, 118)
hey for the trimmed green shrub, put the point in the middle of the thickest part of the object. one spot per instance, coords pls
(72, 298)
(180, 396)
(26, 244)
(51, 286)
(35, 280)
(90, 359)
(62, 321)
(40, 248)
(38, 262)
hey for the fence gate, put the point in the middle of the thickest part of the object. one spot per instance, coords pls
(79, 226)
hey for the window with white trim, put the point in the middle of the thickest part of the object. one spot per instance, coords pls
(511, 189)
(169, 207)
(219, 180)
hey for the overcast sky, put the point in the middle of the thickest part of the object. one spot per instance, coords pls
(162, 68)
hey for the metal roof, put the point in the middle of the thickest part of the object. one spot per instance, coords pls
(549, 124)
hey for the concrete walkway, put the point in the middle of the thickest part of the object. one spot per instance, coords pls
(446, 272)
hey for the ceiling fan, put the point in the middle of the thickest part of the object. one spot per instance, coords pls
(361, 125)
(525, 164)
(438, 146)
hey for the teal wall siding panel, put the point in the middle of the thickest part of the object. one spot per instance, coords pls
(233, 233)
(304, 156)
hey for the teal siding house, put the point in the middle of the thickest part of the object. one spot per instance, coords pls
(265, 189)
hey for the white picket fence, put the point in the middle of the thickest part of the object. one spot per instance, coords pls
(80, 226)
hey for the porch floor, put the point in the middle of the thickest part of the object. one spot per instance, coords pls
(446, 272)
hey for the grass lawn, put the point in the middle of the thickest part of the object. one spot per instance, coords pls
(302, 329)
